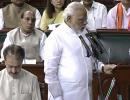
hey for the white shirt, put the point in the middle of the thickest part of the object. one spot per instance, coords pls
(96, 16)
(37, 15)
(24, 87)
(67, 68)
(112, 16)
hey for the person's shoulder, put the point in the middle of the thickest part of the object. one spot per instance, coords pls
(112, 9)
(28, 74)
(99, 4)
(58, 29)
(58, 32)
(45, 13)
(13, 31)
(7, 6)
(30, 6)
(2, 72)
(38, 31)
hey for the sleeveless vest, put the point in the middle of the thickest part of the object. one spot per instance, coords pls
(12, 14)
(30, 43)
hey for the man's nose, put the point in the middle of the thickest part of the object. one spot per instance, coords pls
(14, 70)
(30, 21)
(85, 22)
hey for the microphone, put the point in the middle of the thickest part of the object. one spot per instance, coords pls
(89, 53)
(97, 46)
(96, 52)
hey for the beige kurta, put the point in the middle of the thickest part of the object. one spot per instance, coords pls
(24, 87)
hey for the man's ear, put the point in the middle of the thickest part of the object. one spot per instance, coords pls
(68, 18)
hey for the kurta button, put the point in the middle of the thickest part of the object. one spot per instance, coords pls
(13, 93)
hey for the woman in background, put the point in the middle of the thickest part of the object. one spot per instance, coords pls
(53, 14)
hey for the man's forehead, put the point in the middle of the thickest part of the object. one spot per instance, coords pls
(81, 11)
(29, 14)
(13, 56)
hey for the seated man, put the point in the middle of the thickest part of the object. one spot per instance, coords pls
(10, 14)
(96, 14)
(30, 38)
(119, 16)
(15, 82)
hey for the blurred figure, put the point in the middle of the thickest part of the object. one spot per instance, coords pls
(15, 82)
(97, 14)
(53, 14)
(10, 14)
(119, 16)
(30, 38)
(67, 64)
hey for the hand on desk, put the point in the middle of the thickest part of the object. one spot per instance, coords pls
(108, 68)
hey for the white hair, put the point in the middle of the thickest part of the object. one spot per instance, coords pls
(71, 8)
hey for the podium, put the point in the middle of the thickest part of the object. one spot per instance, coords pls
(121, 86)
(118, 42)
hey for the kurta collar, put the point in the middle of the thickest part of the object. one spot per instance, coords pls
(69, 29)
(94, 5)
(10, 77)
(26, 35)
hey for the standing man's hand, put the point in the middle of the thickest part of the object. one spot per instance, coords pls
(108, 68)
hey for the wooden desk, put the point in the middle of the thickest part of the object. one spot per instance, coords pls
(38, 71)
(122, 83)
(116, 44)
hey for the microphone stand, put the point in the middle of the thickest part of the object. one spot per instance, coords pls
(95, 57)
(99, 48)
(90, 53)
(101, 95)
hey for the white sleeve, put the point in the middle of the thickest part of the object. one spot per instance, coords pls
(55, 90)
(42, 43)
(100, 65)
(38, 19)
(1, 19)
(111, 19)
(104, 17)
(36, 94)
(52, 56)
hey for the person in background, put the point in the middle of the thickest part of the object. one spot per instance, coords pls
(15, 82)
(67, 64)
(53, 14)
(10, 14)
(119, 16)
(97, 14)
(30, 38)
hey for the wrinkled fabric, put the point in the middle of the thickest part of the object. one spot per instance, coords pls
(24, 87)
